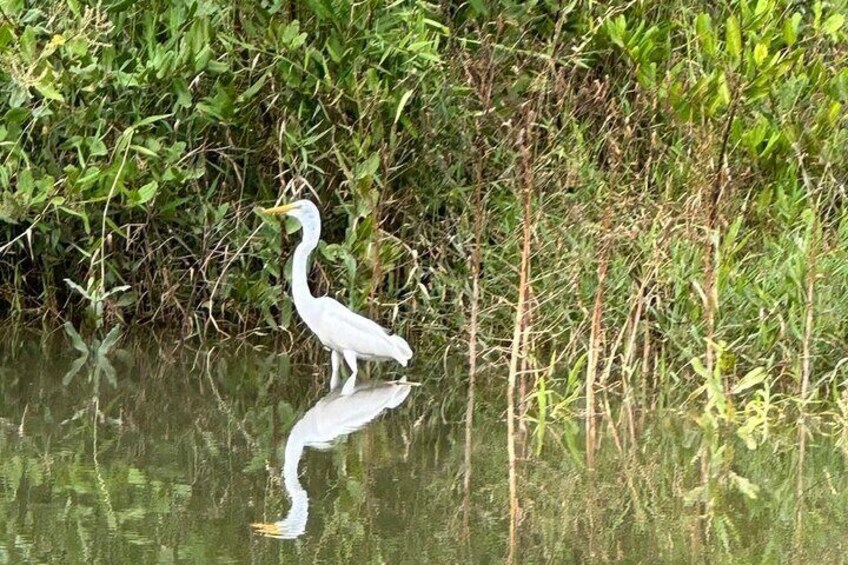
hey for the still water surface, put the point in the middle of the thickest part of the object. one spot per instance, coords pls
(187, 452)
(236, 456)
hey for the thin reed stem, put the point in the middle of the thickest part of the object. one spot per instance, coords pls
(524, 144)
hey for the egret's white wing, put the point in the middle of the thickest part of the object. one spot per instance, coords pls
(342, 329)
(337, 415)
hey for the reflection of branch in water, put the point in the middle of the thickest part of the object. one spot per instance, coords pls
(332, 417)
(111, 520)
(226, 409)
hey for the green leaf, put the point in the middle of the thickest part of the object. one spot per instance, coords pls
(762, 7)
(27, 44)
(147, 192)
(116, 290)
(96, 147)
(760, 53)
(77, 47)
(254, 88)
(202, 58)
(79, 214)
(617, 30)
(753, 378)
(832, 24)
(15, 117)
(48, 91)
(220, 104)
(150, 119)
(479, 7)
(143, 150)
(733, 38)
(183, 94)
(646, 74)
(699, 368)
(771, 144)
(790, 29)
(834, 113)
(7, 36)
(403, 100)
(18, 96)
(80, 289)
(25, 184)
(704, 29)
(290, 35)
(368, 168)
(723, 94)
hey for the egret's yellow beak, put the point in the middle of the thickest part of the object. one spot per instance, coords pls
(277, 210)
(268, 530)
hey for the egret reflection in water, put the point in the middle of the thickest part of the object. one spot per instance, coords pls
(333, 416)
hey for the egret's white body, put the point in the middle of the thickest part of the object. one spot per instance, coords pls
(332, 417)
(344, 332)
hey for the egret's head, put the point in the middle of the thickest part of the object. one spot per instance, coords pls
(303, 210)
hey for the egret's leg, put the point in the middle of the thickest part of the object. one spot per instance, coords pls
(350, 383)
(335, 361)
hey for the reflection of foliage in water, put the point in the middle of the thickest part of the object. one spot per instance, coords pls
(188, 468)
(749, 530)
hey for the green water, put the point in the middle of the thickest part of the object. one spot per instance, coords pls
(177, 461)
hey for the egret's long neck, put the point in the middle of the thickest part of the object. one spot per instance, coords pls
(294, 523)
(293, 452)
(300, 266)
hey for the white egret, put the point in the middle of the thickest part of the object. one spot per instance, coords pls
(345, 333)
(334, 416)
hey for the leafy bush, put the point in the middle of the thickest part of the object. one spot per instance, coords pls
(138, 138)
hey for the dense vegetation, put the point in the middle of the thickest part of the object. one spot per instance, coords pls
(630, 208)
